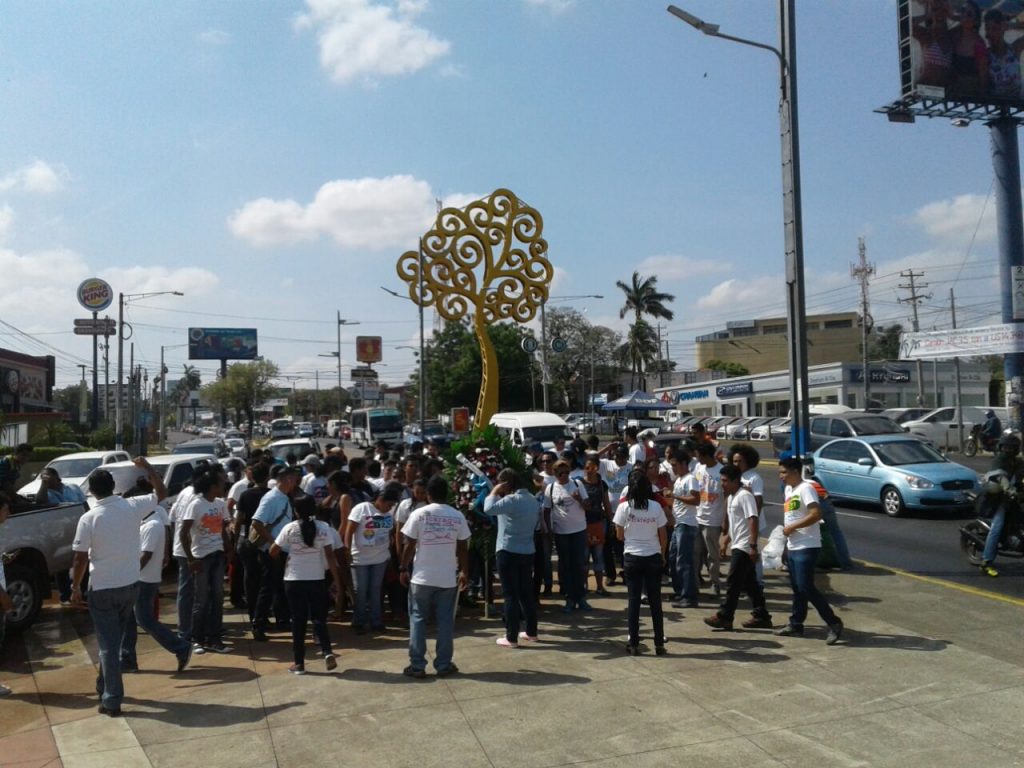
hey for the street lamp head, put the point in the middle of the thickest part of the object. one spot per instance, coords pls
(693, 21)
(177, 293)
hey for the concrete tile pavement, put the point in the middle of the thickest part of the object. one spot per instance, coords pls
(926, 676)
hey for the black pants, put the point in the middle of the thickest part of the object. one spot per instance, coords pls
(516, 572)
(271, 595)
(236, 574)
(308, 600)
(249, 557)
(643, 574)
(542, 576)
(742, 578)
(612, 553)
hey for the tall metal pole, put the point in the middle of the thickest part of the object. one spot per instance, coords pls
(544, 356)
(423, 347)
(163, 401)
(1006, 163)
(793, 223)
(339, 364)
(95, 417)
(959, 392)
(118, 414)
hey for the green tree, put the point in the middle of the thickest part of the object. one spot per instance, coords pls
(589, 348)
(885, 344)
(454, 364)
(728, 368)
(245, 386)
(643, 298)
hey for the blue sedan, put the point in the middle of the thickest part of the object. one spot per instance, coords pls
(900, 473)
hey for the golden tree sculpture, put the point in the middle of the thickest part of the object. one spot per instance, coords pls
(489, 260)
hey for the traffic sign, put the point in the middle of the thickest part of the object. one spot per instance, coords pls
(363, 373)
(106, 326)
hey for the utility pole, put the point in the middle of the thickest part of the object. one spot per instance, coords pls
(914, 299)
(956, 370)
(661, 369)
(861, 271)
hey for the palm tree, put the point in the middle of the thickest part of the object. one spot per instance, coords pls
(643, 298)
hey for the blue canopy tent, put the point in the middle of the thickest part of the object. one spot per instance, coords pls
(638, 400)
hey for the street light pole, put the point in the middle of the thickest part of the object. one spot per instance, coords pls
(122, 298)
(791, 205)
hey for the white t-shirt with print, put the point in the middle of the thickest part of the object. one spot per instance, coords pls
(437, 529)
(209, 519)
(684, 514)
(640, 528)
(711, 509)
(176, 515)
(617, 478)
(371, 538)
(795, 509)
(567, 514)
(304, 563)
(741, 507)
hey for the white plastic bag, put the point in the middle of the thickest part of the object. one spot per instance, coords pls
(771, 553)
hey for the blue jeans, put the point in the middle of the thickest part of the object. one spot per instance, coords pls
(110, 610)
(516, 572)
(995, 533)
(572, 564)
(145, 617)
(367, 581)
(208, 613)
(186, 598)
(801, 579)
(422, 600)
(684, 571)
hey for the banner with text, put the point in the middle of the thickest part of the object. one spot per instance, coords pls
(963, 342)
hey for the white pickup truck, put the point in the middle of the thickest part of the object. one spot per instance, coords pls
(35, 543)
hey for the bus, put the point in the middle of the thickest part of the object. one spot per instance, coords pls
(282, 429)
(372, 424)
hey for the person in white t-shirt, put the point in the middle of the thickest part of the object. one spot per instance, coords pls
(747, 459)
(615, 472)
(307, 543)
(710, 509)
(107, 541)
(434, 564)
(801, 524)
(640, 525)
(205, 541)
(740, 531)
(368, 533)
(637, 452)
(152, 548)
(565, 515)
(685, 534)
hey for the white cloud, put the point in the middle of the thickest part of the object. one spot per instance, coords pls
(192, 281)
(6, 221)
(365, 39)
(552, 6)
(730, 294)
(668, 267)
(214, 37)
(369, 213)
(38, 177)
(958, 218)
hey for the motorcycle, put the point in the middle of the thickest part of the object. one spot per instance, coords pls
(976, 440)
(995, 491)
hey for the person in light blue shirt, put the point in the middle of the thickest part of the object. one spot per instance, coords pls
(52, 491)
(272, 515)
(517, 511)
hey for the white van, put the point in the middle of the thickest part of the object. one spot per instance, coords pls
(524, 428)
(370, 425)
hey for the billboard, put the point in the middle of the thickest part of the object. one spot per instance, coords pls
(222, 344)
(962, 51)
(368, 349)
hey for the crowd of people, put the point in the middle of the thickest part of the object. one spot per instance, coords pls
(292, 541)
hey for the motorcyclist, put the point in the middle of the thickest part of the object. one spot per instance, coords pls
(991, 430)
(1008, 460)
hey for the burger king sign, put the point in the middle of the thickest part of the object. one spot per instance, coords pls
(95, 294)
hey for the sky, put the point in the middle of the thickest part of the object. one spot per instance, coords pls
(273, 160)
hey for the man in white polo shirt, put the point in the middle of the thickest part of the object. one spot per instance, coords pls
(108, 541)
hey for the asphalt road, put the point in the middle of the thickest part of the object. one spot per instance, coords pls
(925, 543)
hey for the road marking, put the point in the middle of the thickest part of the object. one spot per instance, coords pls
(854, 514)
(948, 584)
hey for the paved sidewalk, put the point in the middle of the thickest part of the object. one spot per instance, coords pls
(925, 676)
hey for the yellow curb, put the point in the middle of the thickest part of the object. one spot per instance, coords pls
(948, 584)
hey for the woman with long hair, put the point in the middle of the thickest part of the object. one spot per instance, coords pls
(640, 525)
(368, 532)
(307, 544)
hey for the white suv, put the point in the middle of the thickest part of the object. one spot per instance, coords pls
(941, 427)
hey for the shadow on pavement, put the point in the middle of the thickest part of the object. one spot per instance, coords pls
(902, 642)
(191, 714)
(530, 677)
